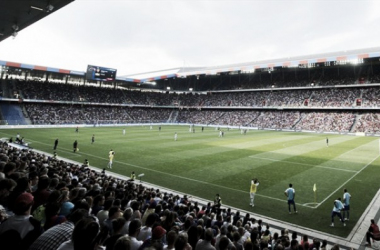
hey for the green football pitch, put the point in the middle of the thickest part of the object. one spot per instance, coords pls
(203, 164)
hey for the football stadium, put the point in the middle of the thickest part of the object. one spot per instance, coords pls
(257, 155)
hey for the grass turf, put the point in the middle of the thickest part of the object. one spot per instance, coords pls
(203, 164)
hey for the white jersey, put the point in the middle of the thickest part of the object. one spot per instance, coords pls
(338, 205)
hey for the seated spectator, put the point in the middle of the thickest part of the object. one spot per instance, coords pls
(26, 227)
(171, 239)
(83, 237)
(372, 233)
(158, 235)
(205, 243)
(117, 226)
(55, 236)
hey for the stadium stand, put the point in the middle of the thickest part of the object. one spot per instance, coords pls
(56, 185)
(118, 205)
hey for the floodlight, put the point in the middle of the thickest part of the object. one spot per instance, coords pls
(168, 88)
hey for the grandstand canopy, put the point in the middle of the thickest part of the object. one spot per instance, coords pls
(16, 15)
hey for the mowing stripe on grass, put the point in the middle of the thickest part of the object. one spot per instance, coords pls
(177, 176)
(303, 164)
(341, 186)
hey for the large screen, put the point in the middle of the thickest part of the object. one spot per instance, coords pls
(98, 73)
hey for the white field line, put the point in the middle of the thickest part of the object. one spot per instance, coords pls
(304, 164)
(177, 176)
(207, 183)
(341, 186)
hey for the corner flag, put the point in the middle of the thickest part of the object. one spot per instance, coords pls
(315, 187)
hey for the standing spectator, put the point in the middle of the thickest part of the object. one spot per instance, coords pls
(291, 194)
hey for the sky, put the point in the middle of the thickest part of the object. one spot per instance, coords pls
(137, 36)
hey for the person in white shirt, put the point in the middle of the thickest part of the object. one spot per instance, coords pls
(171, 239)
(134, 230)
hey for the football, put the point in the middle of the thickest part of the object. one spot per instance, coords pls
(77, 149)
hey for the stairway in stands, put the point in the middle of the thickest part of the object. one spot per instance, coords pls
(12, 114)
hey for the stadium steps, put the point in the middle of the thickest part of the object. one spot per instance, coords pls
(213, 122)
(254, 119)
(12, 114)
(353, 127)
(298, 121)
(173, 116)
(26, 117)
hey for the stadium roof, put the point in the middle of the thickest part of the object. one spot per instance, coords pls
(16, 15)
(250, 66)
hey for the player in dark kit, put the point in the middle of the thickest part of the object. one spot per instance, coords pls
(75, 146)
(55, 144)
(92, 139)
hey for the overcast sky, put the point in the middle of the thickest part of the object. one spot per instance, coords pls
(140, 36)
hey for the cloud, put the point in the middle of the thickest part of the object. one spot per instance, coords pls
(140, 36)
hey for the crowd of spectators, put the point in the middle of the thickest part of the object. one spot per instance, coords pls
(342, 97)
(256, 108)
(47, 203)
(326, 121)
(315, 97)
(368, 123)
(313, 120)
(57, 114)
